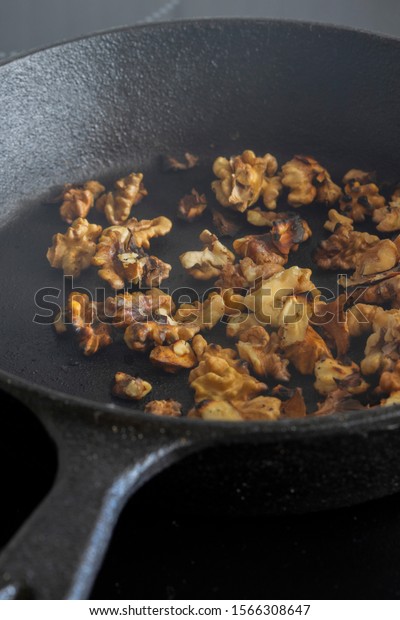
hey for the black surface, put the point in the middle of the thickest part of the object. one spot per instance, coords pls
(261, 85)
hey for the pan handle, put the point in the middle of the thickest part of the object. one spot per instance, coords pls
(58, 551)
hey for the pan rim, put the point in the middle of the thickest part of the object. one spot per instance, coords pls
(345, 422)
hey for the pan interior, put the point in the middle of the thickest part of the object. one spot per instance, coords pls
(102, 107)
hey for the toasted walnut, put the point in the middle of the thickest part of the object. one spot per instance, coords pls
(305, 354)
(344, 249)
(173, 358)
(259, 217)
(240, 323)
(117, 205)
(227, 226)
(130, 388)
(204, 315)
(209, 262)
(294, 320)
(191, 206)
(382, 350)
(264, 408)
(394, 399)
(144, 230)
(221, 376)
(244, 178)
(360, 176)
(377, 259)
(360, 318)
(332, 318)
(338, 401)
(171, 164)
(144, 336)
(383, 292)
(289, 231)
(360, 200)
(261, 351)
(293, 405)
(166, 408)
(331, 374)
(266, 301)
(82, 314)
(389, 381)
(335, 218)
(122, 261)
(73, 251)
(307, 181)
(127, 308)
(260, 248)
(77, 200)
(244, 274)
(388, 217)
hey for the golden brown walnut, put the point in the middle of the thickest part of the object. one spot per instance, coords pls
(240, 323)
(305, 354)
(383, 292)
(205, 315)
(331, 374)
(335, 218)
(174, 357)
(260, 217)
(144, 230)
(394, 399)
(117, 205)
(360, 200)
(382, 348)
(127, 308)
(245, 273)
(389, 381)
(171, 164)
(215, 411)
(130, 388)
(293, 405)
(227, 226)
(244, 178)
(260, 248)
(166, 408)
(208, 262)
(191, 206)
(74, 250)
(388, 217)
(266, 302)
(144, 336)
(360, 318)
(307, 181)
(344, 249)
(121, 261)
(220, 375)
(358, 175)
(77, 200)
(332, 318)
(262, 408)
(294, 320)
(377, 259)
(261, 351)
(82, 314)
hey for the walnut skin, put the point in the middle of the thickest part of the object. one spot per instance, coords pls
(130, 388)
(73, 251)
(244, 178)
(359, 200)
(79, 199)
(307, 181)
(209, 262)
(117, 205)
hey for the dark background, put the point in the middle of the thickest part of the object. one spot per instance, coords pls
(165, 551)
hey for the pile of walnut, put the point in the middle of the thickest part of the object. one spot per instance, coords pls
(275, 315)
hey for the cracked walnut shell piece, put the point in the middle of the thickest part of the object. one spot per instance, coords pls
(209, 262)
(117, 205)
(244, 178)
(73, 251)
(77, 200)
(308, 181)
(130, 388)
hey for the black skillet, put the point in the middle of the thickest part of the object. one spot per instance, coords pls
(105, 105)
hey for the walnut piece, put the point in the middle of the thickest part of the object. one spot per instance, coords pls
(331, 374)
(209, 262)
(144, 230)
(388, 217)
(244, 178)
(360, 200)
(307, 181)
(144, 336)
(191, 206)
(382, 349)
(306, 353)
(166, 408)
(358, 175)
(260, 217)
(383, 292)
(344, 249)
(203, 315)
(74, 250)
(171, 164)
(244, 274)
(293, 405)
(377, 259)
(173, 358)
(117, 205)
(294, 320)
(335, 218)
(360, 318)
(77, 200)
(82, 314)
(338, 401)
(240, 323)
(130, 388)
(127, 308)
(261, 351)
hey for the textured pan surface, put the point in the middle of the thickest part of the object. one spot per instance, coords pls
(106, 105)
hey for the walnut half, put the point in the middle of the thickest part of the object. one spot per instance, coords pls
(117, 205)
(73, 251)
